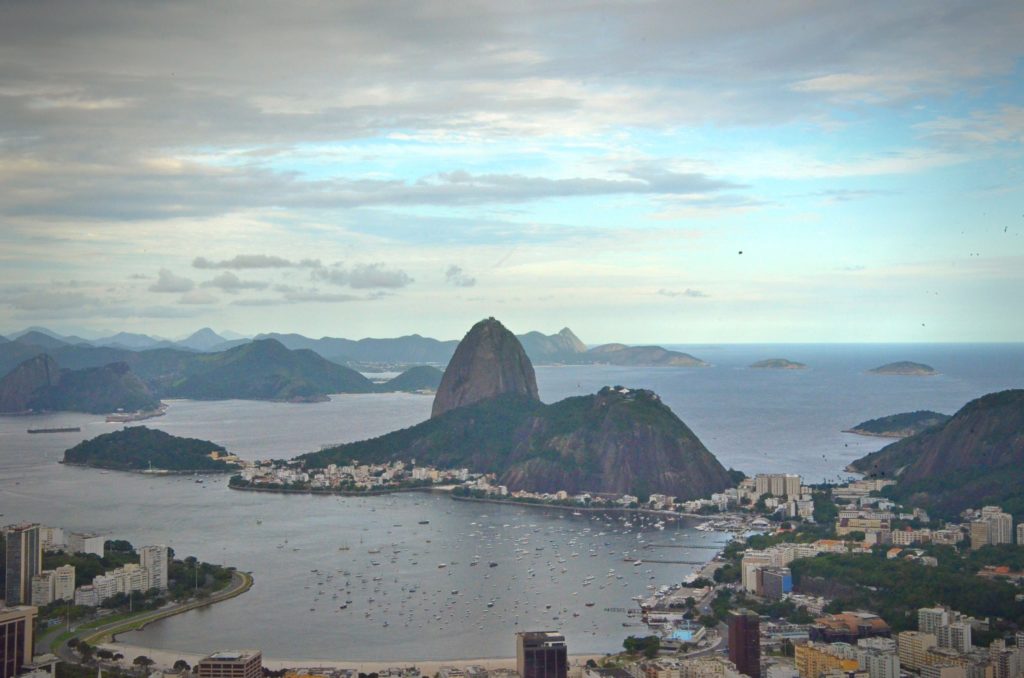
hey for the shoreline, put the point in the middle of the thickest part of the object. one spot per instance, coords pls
(609, 509)
(335, 493)
(428, 667)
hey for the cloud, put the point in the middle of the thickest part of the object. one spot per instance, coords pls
(232, 284)
(366, 276)
(197, 298)
(456, 276)
(167, 282)
(243, 261)
(688, 292)
(363, 276)
(44, 300)
(303, 296)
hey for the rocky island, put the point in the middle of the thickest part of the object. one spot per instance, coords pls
(138, 448)
(778, 364)
(905, 368)
(900, 425)
(488, 418)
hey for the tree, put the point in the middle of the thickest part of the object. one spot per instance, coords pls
(143, 661)
(181, 665)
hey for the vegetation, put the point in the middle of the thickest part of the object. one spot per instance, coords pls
(906, 368)
(648, 646)
(778, 364)
(420, 378)
(137, 448)
(895, 589)
(901, 425)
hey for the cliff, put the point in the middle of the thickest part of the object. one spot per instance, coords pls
(19, 388)
(975, 458)
(488, 362)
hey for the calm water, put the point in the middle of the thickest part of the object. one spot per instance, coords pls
(752, 420)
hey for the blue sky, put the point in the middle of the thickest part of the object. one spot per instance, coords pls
(639, 171)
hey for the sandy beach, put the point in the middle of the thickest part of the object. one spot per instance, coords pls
(165, 660)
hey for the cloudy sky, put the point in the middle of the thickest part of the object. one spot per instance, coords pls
(640, 171)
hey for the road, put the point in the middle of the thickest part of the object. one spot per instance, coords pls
(240, 583)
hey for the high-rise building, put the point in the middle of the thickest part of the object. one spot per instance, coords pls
(24, 561)
(774, 582)
(154, 559)
(42, 588)
(913, 648)
(929, 619)
(231, 664)
(86, 542)
(1000, 525)
(1020, 534)
(64, 583)
(745, 642)
(541, 654)
(16, 641)
(879, 663)
(979, 534)
(813, 659)
(955, 636)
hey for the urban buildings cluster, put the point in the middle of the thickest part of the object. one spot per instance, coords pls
(27, 583)
(354, 477)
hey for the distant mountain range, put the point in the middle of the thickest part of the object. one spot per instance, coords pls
(563, 348)
(974, 459)
(106, 379)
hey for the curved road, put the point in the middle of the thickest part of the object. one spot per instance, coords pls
(240, 583)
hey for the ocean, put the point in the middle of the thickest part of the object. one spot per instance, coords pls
(311, 554)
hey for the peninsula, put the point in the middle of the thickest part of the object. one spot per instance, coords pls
(899, 425)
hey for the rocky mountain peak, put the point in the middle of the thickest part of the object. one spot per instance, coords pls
(488, 362)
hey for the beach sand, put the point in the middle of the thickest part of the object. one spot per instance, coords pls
(165, 660)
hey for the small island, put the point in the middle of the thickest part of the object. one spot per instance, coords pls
(138, 448)
(900, 425)
(905, 368)
(778, 364)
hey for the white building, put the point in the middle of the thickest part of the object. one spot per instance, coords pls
(879, 663)
(1000, 525)
(52, 538)
(956, 636)
(930, 619)
(42, 588)
(64, 583)
(86, 595)
(82, 542)
(155, 560)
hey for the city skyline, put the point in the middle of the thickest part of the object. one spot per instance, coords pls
(796, 172)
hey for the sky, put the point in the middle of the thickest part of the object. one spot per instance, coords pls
(640, 171)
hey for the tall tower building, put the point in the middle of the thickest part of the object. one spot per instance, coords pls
(24, 561)
(1000, 525)
(541, 654)
(745, 642)
(154, 559)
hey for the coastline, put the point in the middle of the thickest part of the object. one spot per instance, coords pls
(608, 509)
(166, 659)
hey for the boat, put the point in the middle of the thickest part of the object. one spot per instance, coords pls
(492, 564)
(424, 522)
(61, 429)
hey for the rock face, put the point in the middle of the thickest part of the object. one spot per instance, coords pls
(488, 362)
(975, 458)
(22, 385)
